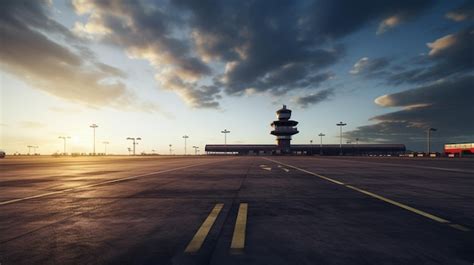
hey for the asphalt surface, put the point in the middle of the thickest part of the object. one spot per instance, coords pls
(236, 210)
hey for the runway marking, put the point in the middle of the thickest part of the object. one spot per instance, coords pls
(460, 227)
(238, 239)
(285, 169)
(403, 165)
(100, 183)
(202, 232)
(406, 207)
(379, 197)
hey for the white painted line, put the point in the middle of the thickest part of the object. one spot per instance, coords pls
(402, 165)
(198, 239)
(379, 197)
(100, 183)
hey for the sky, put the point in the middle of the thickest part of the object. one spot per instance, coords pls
(160, 70)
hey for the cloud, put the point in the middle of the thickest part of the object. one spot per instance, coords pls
(149, 31)
(463, 12)
(32, 125)
(450, 55)
(338, 18)
(445, 105)
(64, 110)
(320, 96)
(441, 44)
(204, 49)
(388, 23)
(443, 79)
(370, 67)
(65, 67)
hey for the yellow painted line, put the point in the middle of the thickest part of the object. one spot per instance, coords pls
(373, 195)
(238, 239)
(100, 183)
(201, 234)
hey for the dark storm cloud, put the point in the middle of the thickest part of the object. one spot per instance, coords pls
(262, 46)
(442, 98)
(463, 12)
(67, 71)
(450, 55)
(151, 31)
(320, 96)
(445, 105)
(333, 19)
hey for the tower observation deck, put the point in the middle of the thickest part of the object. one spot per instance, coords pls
(283, 129)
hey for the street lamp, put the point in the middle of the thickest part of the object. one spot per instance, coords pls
(429, 138)
(105, 147)
(195, 149)
(29, 148)
(341, 124)
(64, 139)
(134, 142)
(321, 143)
(171, 150)
(225, 132)
(34, 149)
(185, 137)
(93, 126)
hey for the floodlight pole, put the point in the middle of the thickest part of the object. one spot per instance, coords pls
(225, 132)
(94, 126)
(105, 146)
(185, 137)
(321, 143)
(357, 144)
(195, 149)
(429, 139)
(64, 140)
(341, 124)
(134, 142)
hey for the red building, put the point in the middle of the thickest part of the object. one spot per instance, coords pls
(459, 148)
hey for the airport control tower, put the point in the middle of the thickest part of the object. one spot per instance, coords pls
(283, 129)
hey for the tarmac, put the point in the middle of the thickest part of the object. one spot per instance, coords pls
(236, 210)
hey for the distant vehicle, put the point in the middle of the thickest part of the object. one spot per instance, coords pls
(2, 154)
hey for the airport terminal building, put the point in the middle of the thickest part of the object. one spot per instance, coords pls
(284, 128)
